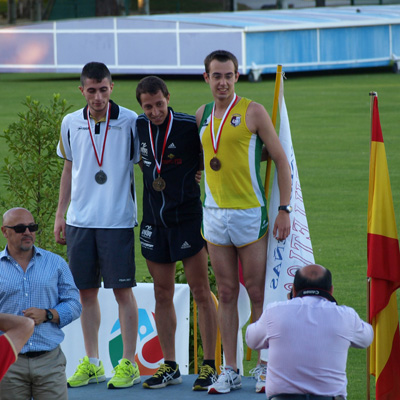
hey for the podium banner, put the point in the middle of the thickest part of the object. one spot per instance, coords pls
(148, 350)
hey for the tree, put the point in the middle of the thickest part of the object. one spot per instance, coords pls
(31, 9)
(109, 7)
(32, 171)
(12, 12)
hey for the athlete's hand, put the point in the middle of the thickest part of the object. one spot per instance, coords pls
(197, 177)
(59, 230)
(282, 226)
(264, 154)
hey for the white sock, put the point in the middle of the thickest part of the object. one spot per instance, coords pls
(94, 361)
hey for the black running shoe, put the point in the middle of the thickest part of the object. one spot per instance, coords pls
(207, 377)
(164, 376)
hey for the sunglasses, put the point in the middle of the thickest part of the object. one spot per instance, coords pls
(22, 228)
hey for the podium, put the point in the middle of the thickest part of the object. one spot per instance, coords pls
(148, 350)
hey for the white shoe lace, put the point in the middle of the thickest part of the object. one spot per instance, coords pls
(259, 371)
(226, 375)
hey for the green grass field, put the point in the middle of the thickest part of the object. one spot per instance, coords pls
(330, 125)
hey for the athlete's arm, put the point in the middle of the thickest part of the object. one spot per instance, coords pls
(18, 329)
(258, 121)
(63, 201)
(199, 115)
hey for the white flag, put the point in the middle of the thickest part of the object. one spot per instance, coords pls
(285, 257)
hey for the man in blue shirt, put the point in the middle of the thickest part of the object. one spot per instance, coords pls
(37, 284)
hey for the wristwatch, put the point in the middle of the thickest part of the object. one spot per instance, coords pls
(49, 315)
(287, 208)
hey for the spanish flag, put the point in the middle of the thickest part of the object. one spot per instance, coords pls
(383, 269)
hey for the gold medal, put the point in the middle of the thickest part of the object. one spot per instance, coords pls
(215, 164)
(159, 184)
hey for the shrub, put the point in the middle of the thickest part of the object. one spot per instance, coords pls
(32, 171)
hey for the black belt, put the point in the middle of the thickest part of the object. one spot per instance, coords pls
(288, 396)
(33, 354)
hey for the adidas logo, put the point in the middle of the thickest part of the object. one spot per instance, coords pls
(185, 245)
(171, 146)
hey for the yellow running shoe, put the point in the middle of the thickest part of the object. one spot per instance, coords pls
(125, 375)
(86, 373)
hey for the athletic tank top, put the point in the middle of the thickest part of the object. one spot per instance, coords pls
(238, 183)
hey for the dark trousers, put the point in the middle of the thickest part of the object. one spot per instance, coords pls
(290, 396)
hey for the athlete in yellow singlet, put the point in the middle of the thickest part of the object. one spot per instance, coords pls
(239, 149)
(234, 215)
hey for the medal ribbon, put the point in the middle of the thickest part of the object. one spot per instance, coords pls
(100, 162)
(215, 140)
(169, 126)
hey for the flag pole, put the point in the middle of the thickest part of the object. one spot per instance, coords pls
(368, 348)
(273, 118)
(372, 96)
(269, 161)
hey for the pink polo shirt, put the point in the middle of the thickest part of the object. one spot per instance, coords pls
(308, 340)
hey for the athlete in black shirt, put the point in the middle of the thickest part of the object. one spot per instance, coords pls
(170, 229)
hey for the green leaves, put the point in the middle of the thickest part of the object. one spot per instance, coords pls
(32, 171)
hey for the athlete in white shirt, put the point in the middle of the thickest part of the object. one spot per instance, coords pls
(99, 146)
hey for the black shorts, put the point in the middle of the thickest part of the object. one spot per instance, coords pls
(167, 245)
(101, 253)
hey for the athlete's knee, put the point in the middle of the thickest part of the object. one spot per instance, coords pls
(124, 295)
(256, 294)
(201, 294)
(88, 296)
(227, 294)
(163, 294)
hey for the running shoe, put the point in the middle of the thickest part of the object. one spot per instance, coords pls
(86, 373)
(227, 381)
(125, 375)
(207, 377)
(164, 376)
(259, 373)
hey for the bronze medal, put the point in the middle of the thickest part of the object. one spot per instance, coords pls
(215, 164)
(100, 177)
(159, 184)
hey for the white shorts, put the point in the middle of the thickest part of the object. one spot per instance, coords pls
(237, 227)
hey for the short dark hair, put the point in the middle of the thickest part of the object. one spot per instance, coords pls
(221, 56)
(95, 70)
(151, 84)
(323, 282)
